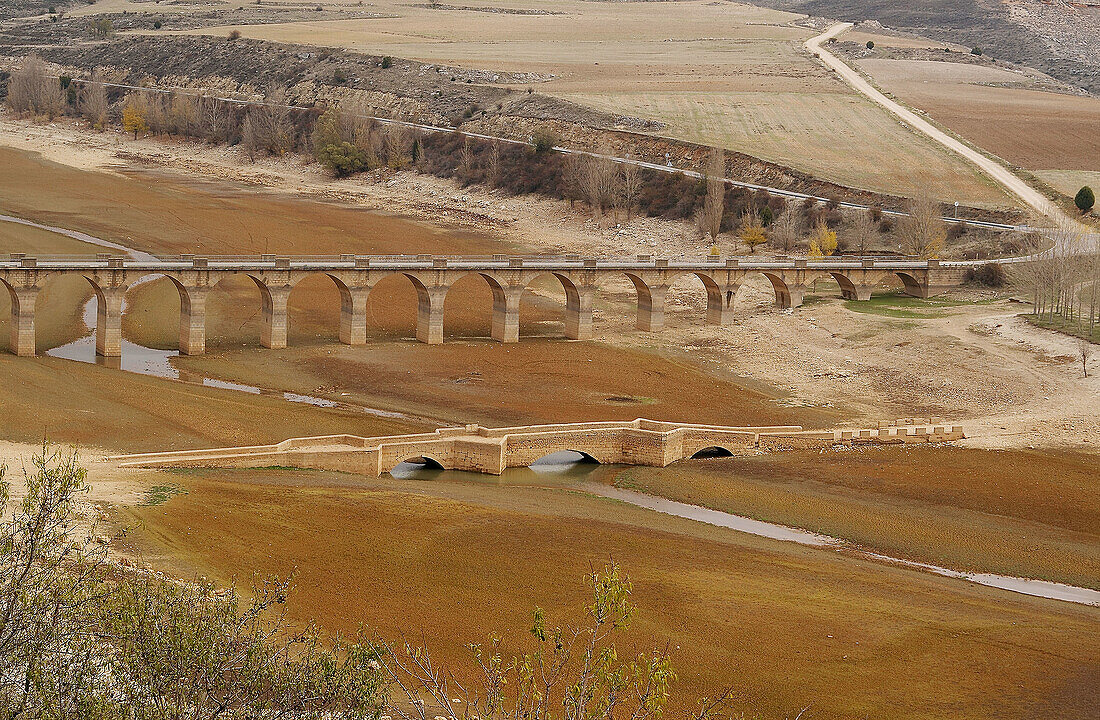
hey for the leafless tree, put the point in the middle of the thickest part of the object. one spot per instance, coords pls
(864, 230)
(1084, 350)
(32, 90)
(267, 126)
(714, 205)
(786, 229)
(630, 185)
(598, 179)
(922, 230)
(492, 166)
(93, 102)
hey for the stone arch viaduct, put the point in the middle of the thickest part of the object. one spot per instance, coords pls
(355, 276)
(473, 448)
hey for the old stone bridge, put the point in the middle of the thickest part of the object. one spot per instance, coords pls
(491, 450)
(432, 276)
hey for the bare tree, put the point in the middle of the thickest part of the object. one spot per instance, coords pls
(786, 229)
(32, 90)
(492, 165)
(864, 230)
(93, 103)
(922, 231)
(598, 180)
(267, 126)
(1084, 350)
(714, 205)
(630, 185)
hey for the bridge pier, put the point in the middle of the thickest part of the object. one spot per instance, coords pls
(720, 304)
(651, 307)
(108, 328)
(506, 302)
(273, 332)
(353, 315)
(429, 315)
(22, 338)
(578, 312)
(193, 320)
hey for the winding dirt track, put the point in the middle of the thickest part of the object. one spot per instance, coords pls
(994, 170)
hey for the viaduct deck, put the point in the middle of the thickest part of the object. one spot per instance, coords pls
(432, 276)
(491, 450)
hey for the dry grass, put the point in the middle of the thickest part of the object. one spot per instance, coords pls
(831, 135)
(447, 562)
(1035, 129)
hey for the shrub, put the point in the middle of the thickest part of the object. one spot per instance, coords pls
(341, 158)
(339, 77)
(870, 44)
(544, 140)
(990, 274)
(956, 230)
(976, 51)
(387, 61)
(234, 35)
(156, 24)
(1085, 199)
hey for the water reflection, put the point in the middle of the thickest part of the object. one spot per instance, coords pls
(564, 468)
(144, 360)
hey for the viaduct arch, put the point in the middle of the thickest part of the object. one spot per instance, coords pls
(432, 277)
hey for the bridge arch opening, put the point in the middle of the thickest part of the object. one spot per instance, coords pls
(313, 308)
(392, 306)
(714, 451)
(910, 284)
(469, 305)
(545, 303)
(9, 309)
(563, 459)
(234, 311)
(151, 309)
(782, 291)
(684, 302)
(419, 467)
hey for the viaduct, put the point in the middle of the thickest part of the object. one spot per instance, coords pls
(432, 276)
(491, 450)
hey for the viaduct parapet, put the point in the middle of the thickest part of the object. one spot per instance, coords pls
(491, 450)
(432, 276)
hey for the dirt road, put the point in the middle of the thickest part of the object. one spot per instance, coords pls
(996, 171)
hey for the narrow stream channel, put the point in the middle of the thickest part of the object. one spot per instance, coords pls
(149, 361)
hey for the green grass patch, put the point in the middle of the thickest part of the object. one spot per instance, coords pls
(897, 305)
(160, 494)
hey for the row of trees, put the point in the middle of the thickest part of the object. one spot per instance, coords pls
(81, 637)
(1063, 282)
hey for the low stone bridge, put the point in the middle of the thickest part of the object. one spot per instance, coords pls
(355, 276)
(491, 450)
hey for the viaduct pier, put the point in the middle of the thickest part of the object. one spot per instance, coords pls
(432, 276)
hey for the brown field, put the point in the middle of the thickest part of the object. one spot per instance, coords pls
(1031, 128)
(722, 73)
(445, 563)
(535, 381)
(1022, 513)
